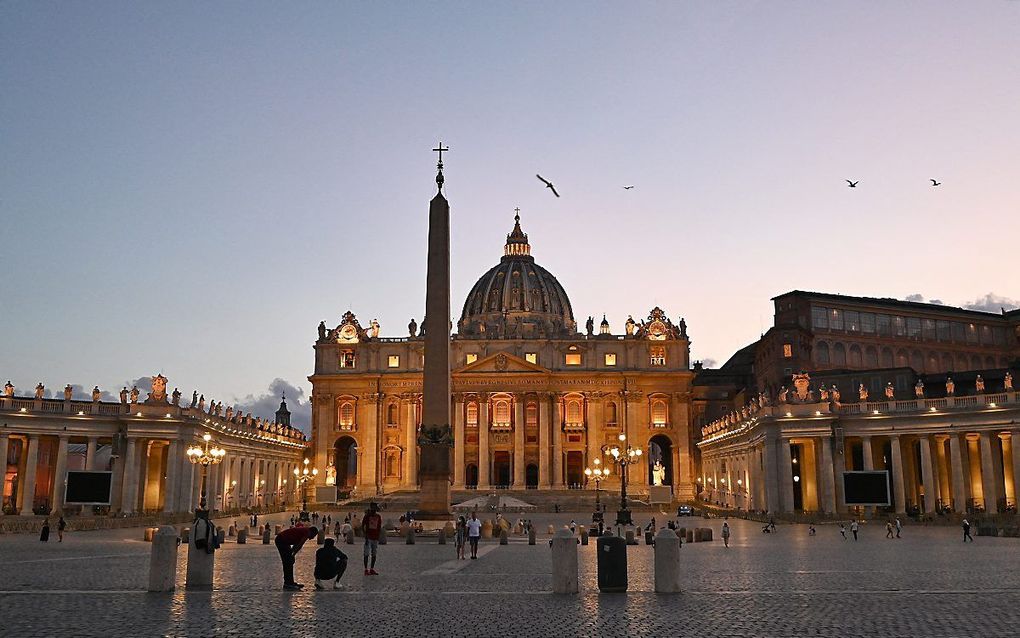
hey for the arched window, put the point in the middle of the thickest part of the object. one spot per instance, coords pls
(961, 363)
(611, 413)
(854, 358)
(660, 413)
(472, 414)
(574, 414)
(346, 415)
(917, 361)
(887, 358)
(933, 363)
(501, 413)
(531, 415)
(901, 359)
(975, 362)
(947, 362)
(870, 357)
(822, 353)
(989, 362)
(839, 355)
(391, 414)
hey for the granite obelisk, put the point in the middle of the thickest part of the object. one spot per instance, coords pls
(436, 435)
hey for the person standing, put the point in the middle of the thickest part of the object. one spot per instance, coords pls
(966, 531)
(854, 526)
(330, 564)
(371, 527)
(726, 534)
(460, 537)
(842, 530)
(61, 526)
(474, 527)
(289, 543)
(899, 527)
(44, 534)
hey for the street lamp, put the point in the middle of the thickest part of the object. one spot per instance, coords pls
(205, 455)
(301, 477)
(623, 456)
(597, 474)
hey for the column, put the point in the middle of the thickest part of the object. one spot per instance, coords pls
(869, 462)
(411, 453)
(90, 453)
(483, 443)
(594, 432)
(370, 450)
(899, 493)
(557, 441)
(771, 486)
(931, 489)
(1014, 444)
(959, 486)
(519, 442)
(173, 473)
(543, 441)
(4, 443)
(943, 470)
(989, 478)
(827, 494)
(458, 442)
(786, 474)
(59, 476)
(129, 499)
(32, 458)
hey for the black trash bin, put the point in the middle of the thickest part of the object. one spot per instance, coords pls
(612, 564)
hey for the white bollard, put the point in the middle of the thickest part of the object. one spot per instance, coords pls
(163, 560)
(667, 562)
(201, 558)
(564, 563)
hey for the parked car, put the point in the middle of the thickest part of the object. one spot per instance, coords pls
(685, 510)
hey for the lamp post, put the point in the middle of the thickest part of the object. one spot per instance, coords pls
(205, 455)
(623, 456)
(597, 474)
(307, 473)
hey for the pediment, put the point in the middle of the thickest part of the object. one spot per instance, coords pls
(502, 362)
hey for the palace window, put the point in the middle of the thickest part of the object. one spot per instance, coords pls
(345, 416)
(899, 327)
(787, 351)
(835, 319)
(531, 415)
(531, 357)
(574, 415)
(660, 415)
(472, 414)
(819, 317)
(913, 328)
(822, 353)
(471, 357)
(928, 330)
(943, 330)
(972, 334)
(884, 325)
(657, 356)
(501, 413)
(868, 323)
(346, 358)
(610, 358)
(611, 413)
(391, 414)
(852, 320)
(959, 332)
(572, 359)
(393, 361)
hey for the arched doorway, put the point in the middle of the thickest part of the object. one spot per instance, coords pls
(660, 449)
(471, 475)
(531, 476)
(575, 469)
(345, 462)
(501, 469)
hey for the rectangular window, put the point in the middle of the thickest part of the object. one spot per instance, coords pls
(471, 357)
(610, 358)
(959, 332)
(928, 330)
(819, 317)
(346, 358)
(944, 331)
(972, 333)
(986, 335)
(657, 356)
(868, 323)
(787, 351)
(852, 319)
(899, 327)
(531, 357)
(835, 319)
(884, 325)
(394, 361)
(913, 328)
(573, 359)
(998, 336)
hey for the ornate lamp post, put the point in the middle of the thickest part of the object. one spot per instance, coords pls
(307, 473)
(597, 474)
(623, 456)
(205, 455)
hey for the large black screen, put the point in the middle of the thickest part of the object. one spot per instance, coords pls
(88, 487)
(866, 488)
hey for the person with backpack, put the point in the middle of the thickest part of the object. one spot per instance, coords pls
(371, 526)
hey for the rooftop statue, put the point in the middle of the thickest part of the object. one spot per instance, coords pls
(863, 392)
(950, 387)
(8, 389)
(176, 397)
(630, 326)
(40, 390)
(68, 391)
(412, 328)
(96, 394)
(322, 331)
(1007, 381)
(919, 389)
(890, 391)
(979, 385)
(124, 395)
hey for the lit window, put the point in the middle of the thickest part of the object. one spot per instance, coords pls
(394, 361)
(501, 413)
(659, 413)
(472, 357)
(573, 359)
(346, 416)
(658, 356)
(610, 358)
(574, 412)
(531, 357)
(391, 414)
(787, 350)
(346, 358)
(611, 413)
(472, 415)
(531, 415)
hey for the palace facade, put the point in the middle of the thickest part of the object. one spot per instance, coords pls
(534, 400)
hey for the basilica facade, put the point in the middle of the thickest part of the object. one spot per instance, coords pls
(535, 400)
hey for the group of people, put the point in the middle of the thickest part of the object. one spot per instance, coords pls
(468, 531)
(330, 562)
(44, 533)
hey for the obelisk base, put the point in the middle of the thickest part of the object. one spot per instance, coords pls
(434, 501)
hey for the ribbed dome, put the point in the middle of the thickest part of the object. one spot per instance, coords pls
(517, 298)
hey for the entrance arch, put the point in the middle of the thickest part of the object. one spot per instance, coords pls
(660, 448)
(471, 475)
(531, 476)
(345, 462)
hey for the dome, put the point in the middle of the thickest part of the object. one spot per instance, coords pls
(517, 298)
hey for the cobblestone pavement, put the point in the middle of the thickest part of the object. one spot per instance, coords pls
(787, 584)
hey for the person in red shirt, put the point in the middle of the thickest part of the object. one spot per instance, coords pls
(371, 525)
(288, 543)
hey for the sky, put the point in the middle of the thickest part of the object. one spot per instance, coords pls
(189, 188)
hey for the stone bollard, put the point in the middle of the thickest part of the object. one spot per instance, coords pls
(699, 534)
(503, 540)
(584, 535)
(564, 563)
(706, 534)
(551, 530)
(265, 536)
(382, 536)
(201, 560)
(185, 535)
(410, 536)
(231, 531)
(320, 538)
(242, 536)
(277, 529)
(690, 536)
(631, 538)
(221, 536)
(487, 529)
(442, 536)
(163, 560)
(649, 538)
(148, 533)
(531, 535)
(667, 562)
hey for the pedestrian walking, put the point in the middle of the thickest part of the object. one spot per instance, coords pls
(966, 531)
(44, 534)
(371, 526)
(289, 543)
(330, 564)
(899, 527)
(842, 530)
(474, 527)
(854, 526)
(573, 526)
(811, 531)
(726, 534)
(460, 537)
(888, 529)
(61, 526)
(772, 524)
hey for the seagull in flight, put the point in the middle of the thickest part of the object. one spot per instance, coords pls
(934, 183)
(852, 184)
(627, 188)
(548, 184)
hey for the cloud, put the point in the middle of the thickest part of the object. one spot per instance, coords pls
(937, 302)
(992, 302)
(918, 297)
(709, 362)
(265, 405)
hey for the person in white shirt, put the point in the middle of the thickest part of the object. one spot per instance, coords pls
(474, 533)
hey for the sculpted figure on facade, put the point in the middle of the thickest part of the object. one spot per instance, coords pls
(374, 329)
(783, 394)
(194, 398)
(158, 388)
(412, 328)
(68, 391)
(834, 394)
(890, 391)
(589, 326)
(134, 394)
(176, 397)
(229, 413)
(201, 403)
(8, 389)
(124, 395)
(96, 394)
(802, 383)
(658, 473)
(919, 389)
(683, 328)
(322, 331)
(862, 392)
(823, 394)
(630, 326)
(950, 387)
(1007, 382)
(40, 390)
(979, 385)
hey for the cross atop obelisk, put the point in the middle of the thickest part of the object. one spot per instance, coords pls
(439, 165)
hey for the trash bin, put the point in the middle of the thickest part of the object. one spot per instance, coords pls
(612, 564)
(649, 538)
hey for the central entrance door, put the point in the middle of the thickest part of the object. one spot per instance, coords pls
(501, 469)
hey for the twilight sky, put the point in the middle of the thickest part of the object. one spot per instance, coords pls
(190, 188)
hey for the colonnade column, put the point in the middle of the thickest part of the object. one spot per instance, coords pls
(543, 441)
(483, 443)
(772, 481)
(989, 475)
(411, 460)
(519, 442)
(827, 495)
(4, 443)
(931, 489)
(899, 493)
(129, 497)
(1014, 444)
(458, 442)
(956, 463)
(557, 440)
(90, 453)
(59, 475)
(869, 461)
(173, 459)
(786, 474)
(31, 461)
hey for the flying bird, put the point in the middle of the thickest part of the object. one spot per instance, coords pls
(627, 188)
(548, 184)
(934, 183)
(852, 184)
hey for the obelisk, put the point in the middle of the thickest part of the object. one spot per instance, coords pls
(436, 436)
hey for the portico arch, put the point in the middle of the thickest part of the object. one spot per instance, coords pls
(660, 448)
(345, 462)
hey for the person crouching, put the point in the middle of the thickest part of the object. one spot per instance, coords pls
(330, 564)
